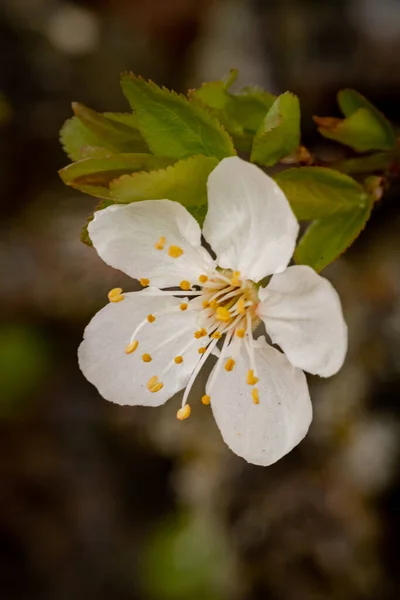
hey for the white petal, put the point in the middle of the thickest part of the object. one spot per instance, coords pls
(261, 433)
(303, 315)
(125, 237)
(122, 378)
(249, 222)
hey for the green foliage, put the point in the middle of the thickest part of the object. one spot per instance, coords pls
(172, 125)
(94, 175)
(279, 132)
(90, 133)
(184, 182)
(316, 192)
(241, 114)
(328, 238)
(170, 144)
(364, 128)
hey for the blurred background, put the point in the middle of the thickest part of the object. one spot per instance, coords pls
(100, 501)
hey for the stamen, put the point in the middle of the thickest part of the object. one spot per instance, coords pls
(221, 293)
(251, 378)
(153, 385)
(146, 358)
(160, 244)
(144, 282)
(218, 367)
(240, 305)
(240, 333)
(178, 360)
(201, 350)
(205, 400)
(184, 412)
(151, 318)
(183, 306)
(223, 314)
(230, 363)
(254, 393)
(216, 335)
(197, 369)
(200, 333)
(249, 345)
(131, 347)
(175, 251)
(235, 278)
(115, 295)
(185, 285)
(205, 304)
(203, 278)
(231, 294)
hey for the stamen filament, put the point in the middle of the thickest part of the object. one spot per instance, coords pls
(197, 369)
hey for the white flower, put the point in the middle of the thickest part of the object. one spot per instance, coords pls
(145, 346)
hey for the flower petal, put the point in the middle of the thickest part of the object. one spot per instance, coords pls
(123, 378)
(125, 237)
(249, 222)
(303, 315)
(261, 433)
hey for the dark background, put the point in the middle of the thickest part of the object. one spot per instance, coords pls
(101, 502)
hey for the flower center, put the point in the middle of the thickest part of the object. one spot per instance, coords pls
(226, 304)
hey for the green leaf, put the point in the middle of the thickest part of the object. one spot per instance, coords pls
(279, 133)
(90, 133)
(246, 109)
(93, 175)
(172, 125)
(316, 192)
(381, 161)
(85, 238)
(365, 128)
(327, 238)
(184, 182)
(241, 114)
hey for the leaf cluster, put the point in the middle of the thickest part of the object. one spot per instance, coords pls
(169, 143)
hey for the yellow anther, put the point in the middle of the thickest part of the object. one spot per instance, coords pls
(240, 306)
(131, 347)
(151, 318)
(200, 333)
(160, 244)
(175, 251)
(203, 278)
(205, 399)
(205, 304)
(201, 350)
(240, 333)
(254, 393)
(251, 378)
(178, 360)
(235, 278)
(185, 285)
(115, 295)
(183, 413)
(216, 335)
(183, 306)
(146, 358)
(213, 304)
(153, 385)
(223, 314)
(144, 282)
(230, 363)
